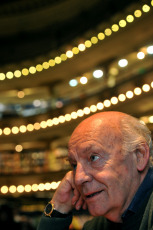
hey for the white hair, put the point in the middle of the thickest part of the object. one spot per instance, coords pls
(134, 134)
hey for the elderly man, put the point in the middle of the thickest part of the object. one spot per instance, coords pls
(110, 156)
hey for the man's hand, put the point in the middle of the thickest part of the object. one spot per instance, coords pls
(67, 196)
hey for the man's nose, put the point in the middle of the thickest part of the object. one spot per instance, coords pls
(81, 175)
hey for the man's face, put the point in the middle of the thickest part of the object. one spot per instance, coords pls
(105, 178)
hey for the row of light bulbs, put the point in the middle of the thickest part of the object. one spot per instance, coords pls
(29, 188)
(79, 113)
(121, 63)
(80, 48)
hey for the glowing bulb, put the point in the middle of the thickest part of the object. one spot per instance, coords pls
(123, 63)
(83, 80)
(81, 47)
(73, 82)
(98, 73)
(140, 55)
(150, 50)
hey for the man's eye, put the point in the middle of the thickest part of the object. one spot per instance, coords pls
(94, 157)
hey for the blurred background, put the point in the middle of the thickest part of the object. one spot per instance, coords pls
(61, 61)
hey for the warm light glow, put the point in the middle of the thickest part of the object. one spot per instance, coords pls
(49, 122)
(43, 124)
(138, 13)
(101, 36)
(9, 75)
(45, 65)
(18, 148)
(100, 106)
(88, 44)
(113, 71)
(67, 117)
(137, 91)
(114, 100)
(39, 68)
(108, 32)
(69, 54)
(121, 97)
(23, 128)
(86, 110)
(75, 50)
(47, 186)
(20, 94)
(25, 72)
(4, 189)
(17, 73)
(55, 121)
(80, 113)
(93, 108)
(115, 27)
(7, 131)
(129, 94)
(83, 80)
(41, 187)
(151, 119)
(54, 185)
(51, 62)
(30, 127)
(12, 189)
(2, 76)
(34, 187)
(20, 188)
(57, 60)
(61, 119)
(74, 115)
(63, 57)
(150, 50)
(107, 103)
(98, 73)
(32, 70)
(145, 87)
(123, 63)
(36, 126)
(81, 47)
(130, 18)
(15, 130)
(94, 40)
(28, 188)
(146, 8)
(122, 23)
(140, 55)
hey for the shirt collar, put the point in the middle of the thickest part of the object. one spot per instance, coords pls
(142, 192)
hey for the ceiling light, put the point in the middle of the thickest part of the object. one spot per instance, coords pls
(123, 63)
(140, 55)
(150, 50)
(83, 80)
(73, 82)
(98, 73)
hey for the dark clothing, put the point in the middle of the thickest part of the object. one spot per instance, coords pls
(138, 216)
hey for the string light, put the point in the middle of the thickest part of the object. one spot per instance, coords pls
(79, 113)
(75, 50)
(29, 188)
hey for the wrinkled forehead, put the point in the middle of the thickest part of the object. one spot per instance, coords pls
(104, 132)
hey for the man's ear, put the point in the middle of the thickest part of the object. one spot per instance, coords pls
(142, 156)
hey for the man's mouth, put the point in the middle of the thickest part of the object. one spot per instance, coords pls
(93, 194)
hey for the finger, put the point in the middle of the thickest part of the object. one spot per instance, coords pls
(79, 203)
(76, 196)
(84, 206)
